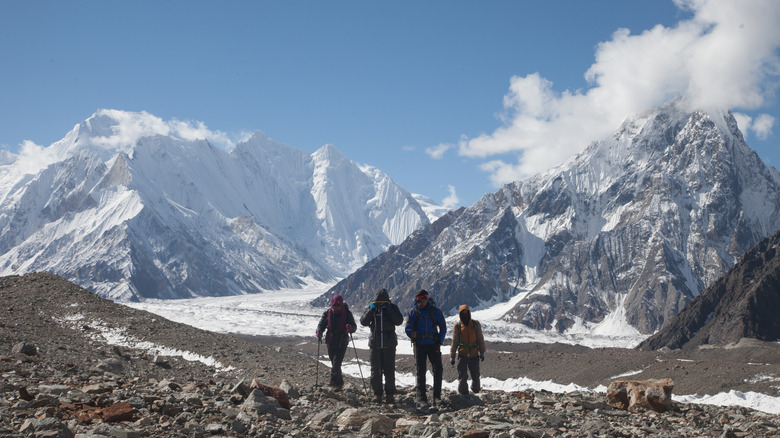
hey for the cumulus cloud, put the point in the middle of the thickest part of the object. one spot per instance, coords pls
(724, 56)
(437, 152)
(761, 126)
(451, 202)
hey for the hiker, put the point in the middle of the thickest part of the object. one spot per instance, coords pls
(427, 328)
(468, 342)
(340, 323)
(382, 316)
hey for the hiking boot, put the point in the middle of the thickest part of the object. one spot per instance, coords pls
(377, 399)
(436, 402)
(390, 399)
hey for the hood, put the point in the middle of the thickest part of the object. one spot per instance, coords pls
(461, 309)
(382, 295)
(337, 299)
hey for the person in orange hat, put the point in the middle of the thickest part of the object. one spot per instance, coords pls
(468, 342)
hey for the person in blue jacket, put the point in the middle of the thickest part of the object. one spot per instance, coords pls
(427, 328)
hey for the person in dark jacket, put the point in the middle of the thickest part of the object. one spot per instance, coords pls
(339, 322)
(382, 317)
(427, 328)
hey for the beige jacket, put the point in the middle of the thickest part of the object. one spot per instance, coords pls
(467, 340)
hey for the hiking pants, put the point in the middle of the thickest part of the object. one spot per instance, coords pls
(424, 353)
(468, 365)
(336, 351)
(383, 362)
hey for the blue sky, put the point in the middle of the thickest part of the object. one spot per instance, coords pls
(449, 98)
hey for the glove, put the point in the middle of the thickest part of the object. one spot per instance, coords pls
(350, 329)
(319, 335)
(452, 361)
(481, 357)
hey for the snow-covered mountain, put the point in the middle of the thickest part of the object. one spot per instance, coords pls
(129, 209)
(628, 231)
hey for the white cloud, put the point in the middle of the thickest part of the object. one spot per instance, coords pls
(743, 121)
(436, 152)
(762, 126)
(451, 202)
(33, 157)
(125, 128)
(407, 148)
(724, 56)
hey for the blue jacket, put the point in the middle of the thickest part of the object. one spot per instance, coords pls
(429, 324)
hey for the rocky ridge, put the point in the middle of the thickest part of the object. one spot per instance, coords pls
(74, 364)
(639, 223)
(742, 303)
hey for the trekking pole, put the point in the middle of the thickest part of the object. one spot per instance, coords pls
(358, 362)
(317, 379)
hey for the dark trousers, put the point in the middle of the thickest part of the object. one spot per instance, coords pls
(468, 365)
(383, 363)
(422, 354)
(336, 351)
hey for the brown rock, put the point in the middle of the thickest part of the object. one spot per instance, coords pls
(272, 391)
(121, 411)
(636, 396)
(24, 395)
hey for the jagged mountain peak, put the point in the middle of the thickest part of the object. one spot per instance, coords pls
(131, 207)
(329, 156)
(628, 231)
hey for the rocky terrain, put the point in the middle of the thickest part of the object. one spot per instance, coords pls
(74, 364)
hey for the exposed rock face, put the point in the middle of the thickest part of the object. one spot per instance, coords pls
(635, 226)
(389, 271)
(741, 304)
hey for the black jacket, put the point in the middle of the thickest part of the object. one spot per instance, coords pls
(382, 316)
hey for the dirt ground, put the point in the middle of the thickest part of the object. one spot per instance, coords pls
(749, 365)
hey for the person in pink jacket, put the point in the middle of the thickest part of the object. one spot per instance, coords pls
(336, 324)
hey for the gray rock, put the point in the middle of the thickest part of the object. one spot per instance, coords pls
(25, 348)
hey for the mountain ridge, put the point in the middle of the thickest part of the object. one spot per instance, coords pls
(741, 304)
(637, 224)
(130, 207)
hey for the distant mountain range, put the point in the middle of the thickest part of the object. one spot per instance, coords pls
(619, 238)
(160, 216)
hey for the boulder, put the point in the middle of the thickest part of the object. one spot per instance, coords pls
(272, 391)
(25, 348)
(121, 411)
(258, 404)
(640, 395)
